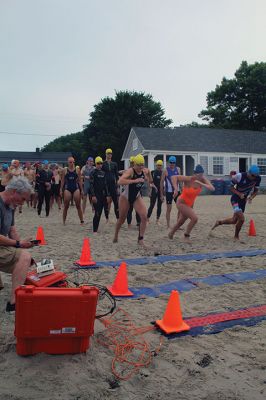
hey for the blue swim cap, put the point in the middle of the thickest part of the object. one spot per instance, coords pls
(172, 159)
(45, 162)
(198, 169)
(254, 170)
(90, 159)
(4, 166)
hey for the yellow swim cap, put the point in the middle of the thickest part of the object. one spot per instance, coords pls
(108, 151)
(159, 162)
(132, 158)
(139, 160)
(98, 160)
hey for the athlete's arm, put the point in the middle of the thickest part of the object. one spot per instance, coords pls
(253, 195)
(82, 176)
(116, 173)
(162, 184)
(239, 194)
(92, 191)
(183, 178)
(80, 182)
(205, 183)
(106, 187)
(149, 178)
(62, 180)
(125, 179)
(174, 180)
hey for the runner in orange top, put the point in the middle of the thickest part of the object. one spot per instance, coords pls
(191, 189)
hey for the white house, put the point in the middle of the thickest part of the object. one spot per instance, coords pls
(219, 151)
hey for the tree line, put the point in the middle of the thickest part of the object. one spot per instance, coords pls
(237, 103)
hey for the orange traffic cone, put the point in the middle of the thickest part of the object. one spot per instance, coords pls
(120, 285)
(40, 236)
(172, 320)
(252, 230)
(85, 258)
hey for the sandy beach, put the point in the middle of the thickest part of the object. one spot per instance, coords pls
(236, 356)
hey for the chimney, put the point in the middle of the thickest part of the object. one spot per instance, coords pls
(37, 149)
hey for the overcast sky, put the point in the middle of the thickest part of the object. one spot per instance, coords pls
(58, 58)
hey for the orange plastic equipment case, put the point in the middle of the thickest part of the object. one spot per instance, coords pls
(57, 278)
(54, 320)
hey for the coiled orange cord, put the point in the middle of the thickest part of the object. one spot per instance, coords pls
(131, 353)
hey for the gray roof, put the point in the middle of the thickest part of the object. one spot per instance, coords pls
(32, 156)
(202, 140)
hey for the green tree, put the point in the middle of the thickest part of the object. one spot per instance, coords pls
(112, 118)
(194, 124)
(73, 143)
(239, 103)
(110, 123)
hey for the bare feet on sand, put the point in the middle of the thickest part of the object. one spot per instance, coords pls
(217, 223)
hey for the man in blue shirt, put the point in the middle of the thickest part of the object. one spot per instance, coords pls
(244, 187)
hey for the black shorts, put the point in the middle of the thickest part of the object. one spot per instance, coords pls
(238, 204)
(169, 197)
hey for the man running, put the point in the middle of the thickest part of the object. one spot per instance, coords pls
(111, 172)
(167, 188)
(86, 171)
(99, 192)
(71, 184)
(185, 202)
(243, 184)
(156, 191)
(133, 180)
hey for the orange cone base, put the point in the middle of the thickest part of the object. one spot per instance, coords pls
(85, 263)
(126, 293)
(170, 329)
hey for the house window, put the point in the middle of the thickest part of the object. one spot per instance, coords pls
(135, 144)
(218, 165)
(262, 165)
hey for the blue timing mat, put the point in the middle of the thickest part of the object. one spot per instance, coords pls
(217, 328)
(184, 285)
(182, 257)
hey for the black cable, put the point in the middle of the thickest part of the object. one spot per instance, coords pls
(103, 292)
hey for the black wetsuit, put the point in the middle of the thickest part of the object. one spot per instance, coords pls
(155, 194)
(111, 172)
(44, 180)
(99, 189)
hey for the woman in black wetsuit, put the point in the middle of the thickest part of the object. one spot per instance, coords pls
(132, 181)
(71, 184)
